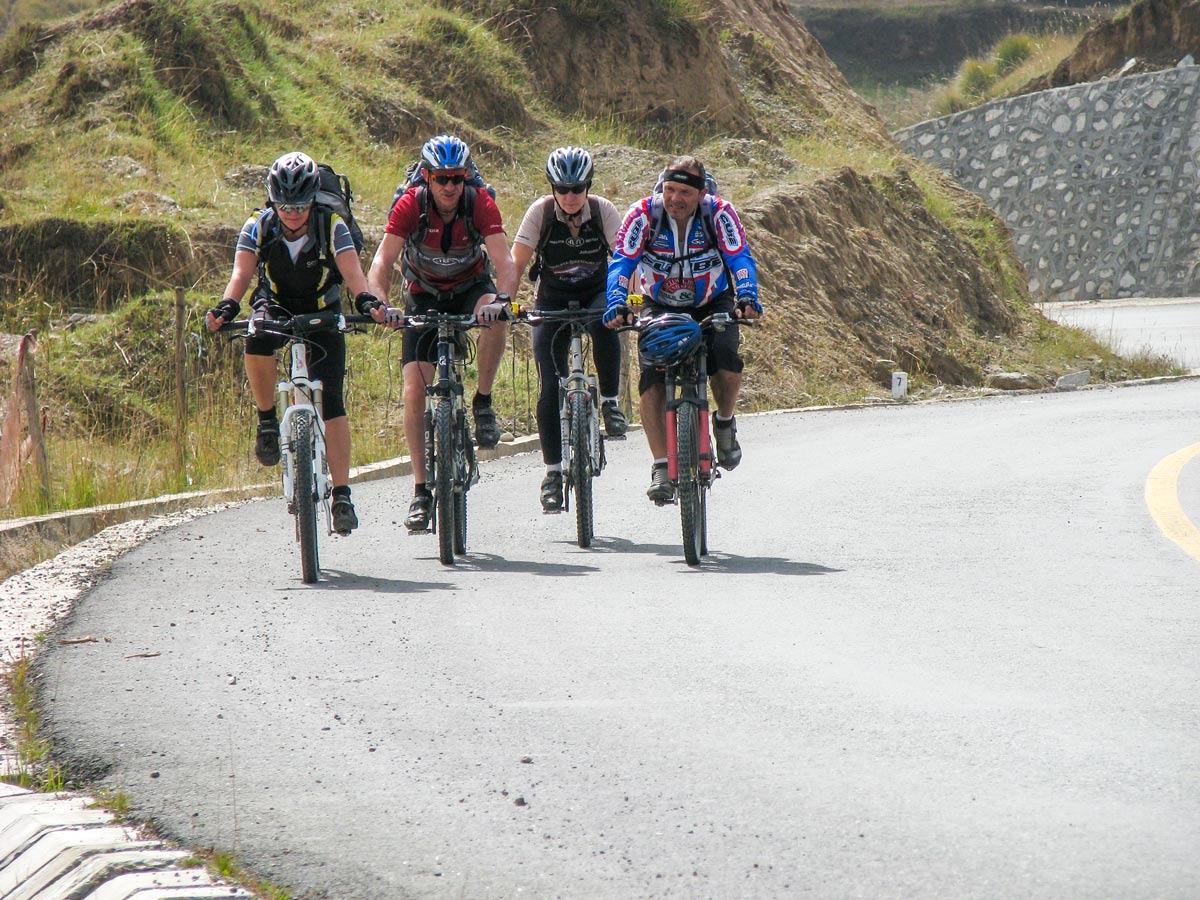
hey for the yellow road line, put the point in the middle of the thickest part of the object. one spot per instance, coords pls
(1162, 498)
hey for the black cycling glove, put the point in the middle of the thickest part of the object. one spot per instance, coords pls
(366, 302)
(227, 309)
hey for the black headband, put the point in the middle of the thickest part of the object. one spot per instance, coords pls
(683, 176)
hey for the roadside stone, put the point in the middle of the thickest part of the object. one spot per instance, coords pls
(124, 167)
(147, 203)
(1072, 381)
(1012, 381)
(883, 371)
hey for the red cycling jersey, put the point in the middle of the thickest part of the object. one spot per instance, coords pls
(444, 267)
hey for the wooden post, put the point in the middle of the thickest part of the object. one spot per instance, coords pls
(33, 416)
(180, 388)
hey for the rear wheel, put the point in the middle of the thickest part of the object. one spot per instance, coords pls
(582, 412)
(691, 501)
(304, 495)
(443, 481)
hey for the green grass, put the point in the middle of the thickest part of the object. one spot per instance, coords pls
(35, 770)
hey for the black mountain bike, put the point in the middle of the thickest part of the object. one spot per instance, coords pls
(583, 455)
(450, 464)
(306, 485)
(691, 462)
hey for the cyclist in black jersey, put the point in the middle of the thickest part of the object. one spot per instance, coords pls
(281, 245)
(569, 232)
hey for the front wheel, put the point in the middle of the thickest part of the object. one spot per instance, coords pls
(692, 510)
(304, 494)
(582, 413)
(443, 479)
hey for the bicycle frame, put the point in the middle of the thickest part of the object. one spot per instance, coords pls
(687, 383)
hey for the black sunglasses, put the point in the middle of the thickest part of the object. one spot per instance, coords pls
(449, 179)
(570, 188)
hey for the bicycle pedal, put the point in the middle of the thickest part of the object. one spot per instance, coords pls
(615, 437)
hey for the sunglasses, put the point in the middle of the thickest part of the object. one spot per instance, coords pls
(570, 188)
(294, 207)
(450, 179)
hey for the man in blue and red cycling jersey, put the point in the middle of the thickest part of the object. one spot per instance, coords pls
(690, 249)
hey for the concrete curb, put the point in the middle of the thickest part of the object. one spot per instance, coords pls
(68, 528)
(63, 847)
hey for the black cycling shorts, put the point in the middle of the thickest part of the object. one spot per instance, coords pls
(723, 346)
(421, 344)
(326, 361)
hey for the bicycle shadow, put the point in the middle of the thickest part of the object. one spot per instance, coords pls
(716, 561)
(338, 580)
(491, 562)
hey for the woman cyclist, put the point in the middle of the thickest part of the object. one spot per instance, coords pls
(570, 231)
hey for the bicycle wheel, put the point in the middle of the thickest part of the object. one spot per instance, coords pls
(582, 411)
(305, 495)
(462, 481)
(443, 479)
(691, 504)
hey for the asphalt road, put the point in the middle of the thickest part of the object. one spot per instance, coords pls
(941, 650)
(1169, 327)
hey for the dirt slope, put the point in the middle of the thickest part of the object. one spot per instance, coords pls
(1157, 34)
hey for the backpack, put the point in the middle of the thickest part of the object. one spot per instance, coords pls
(414, 179)
(548, 220)
(335, 194)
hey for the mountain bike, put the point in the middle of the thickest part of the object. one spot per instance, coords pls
(306, 485)
(450, 464)
(690, 459)
(583, 456)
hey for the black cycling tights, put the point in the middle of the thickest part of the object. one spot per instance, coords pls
(550, 343)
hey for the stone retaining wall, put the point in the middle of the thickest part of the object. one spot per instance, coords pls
(1097, 181)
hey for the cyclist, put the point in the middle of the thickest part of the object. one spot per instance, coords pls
(282, 245)
(570, 231)
(444, 247)
(691, 251)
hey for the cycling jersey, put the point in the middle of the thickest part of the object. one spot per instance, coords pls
(688, 273)
(447, 258)
(299, 275)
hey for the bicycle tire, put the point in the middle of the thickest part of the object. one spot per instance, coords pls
(304, 495)
(582, 411)
(691, 506)
(462, 482)
(443, 479)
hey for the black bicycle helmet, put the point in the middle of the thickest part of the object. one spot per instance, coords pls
(293, 180)
(667, 338)
(445, 152)
(569, 166)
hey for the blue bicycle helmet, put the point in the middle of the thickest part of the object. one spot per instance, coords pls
(668, 338)
(293, 180)
(569, 166)
(445, 152)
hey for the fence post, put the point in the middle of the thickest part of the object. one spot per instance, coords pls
(180, 388)
(33, 416)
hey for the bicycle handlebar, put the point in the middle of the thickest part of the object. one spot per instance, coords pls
(299, 324)
(458, 321)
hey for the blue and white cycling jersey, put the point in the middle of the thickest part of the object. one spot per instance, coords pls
(688, 278)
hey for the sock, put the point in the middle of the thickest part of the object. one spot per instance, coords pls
(722, 422)
(341, 492)
(267, 415)
(557, 467)
(661, 462)
(422, 487)
(481, 400)
(612, 400)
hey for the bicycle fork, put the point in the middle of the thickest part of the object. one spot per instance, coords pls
(697, 396)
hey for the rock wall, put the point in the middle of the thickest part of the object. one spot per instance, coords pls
(1097, 181)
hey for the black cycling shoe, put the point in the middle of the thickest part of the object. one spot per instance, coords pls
(419, 512)
(266, 444)
(661, 490)
(552, 492)
(487, 430)
(344, 519)
(615, 425)
(729, 451)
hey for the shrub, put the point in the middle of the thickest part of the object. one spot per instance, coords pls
(1012, 51)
